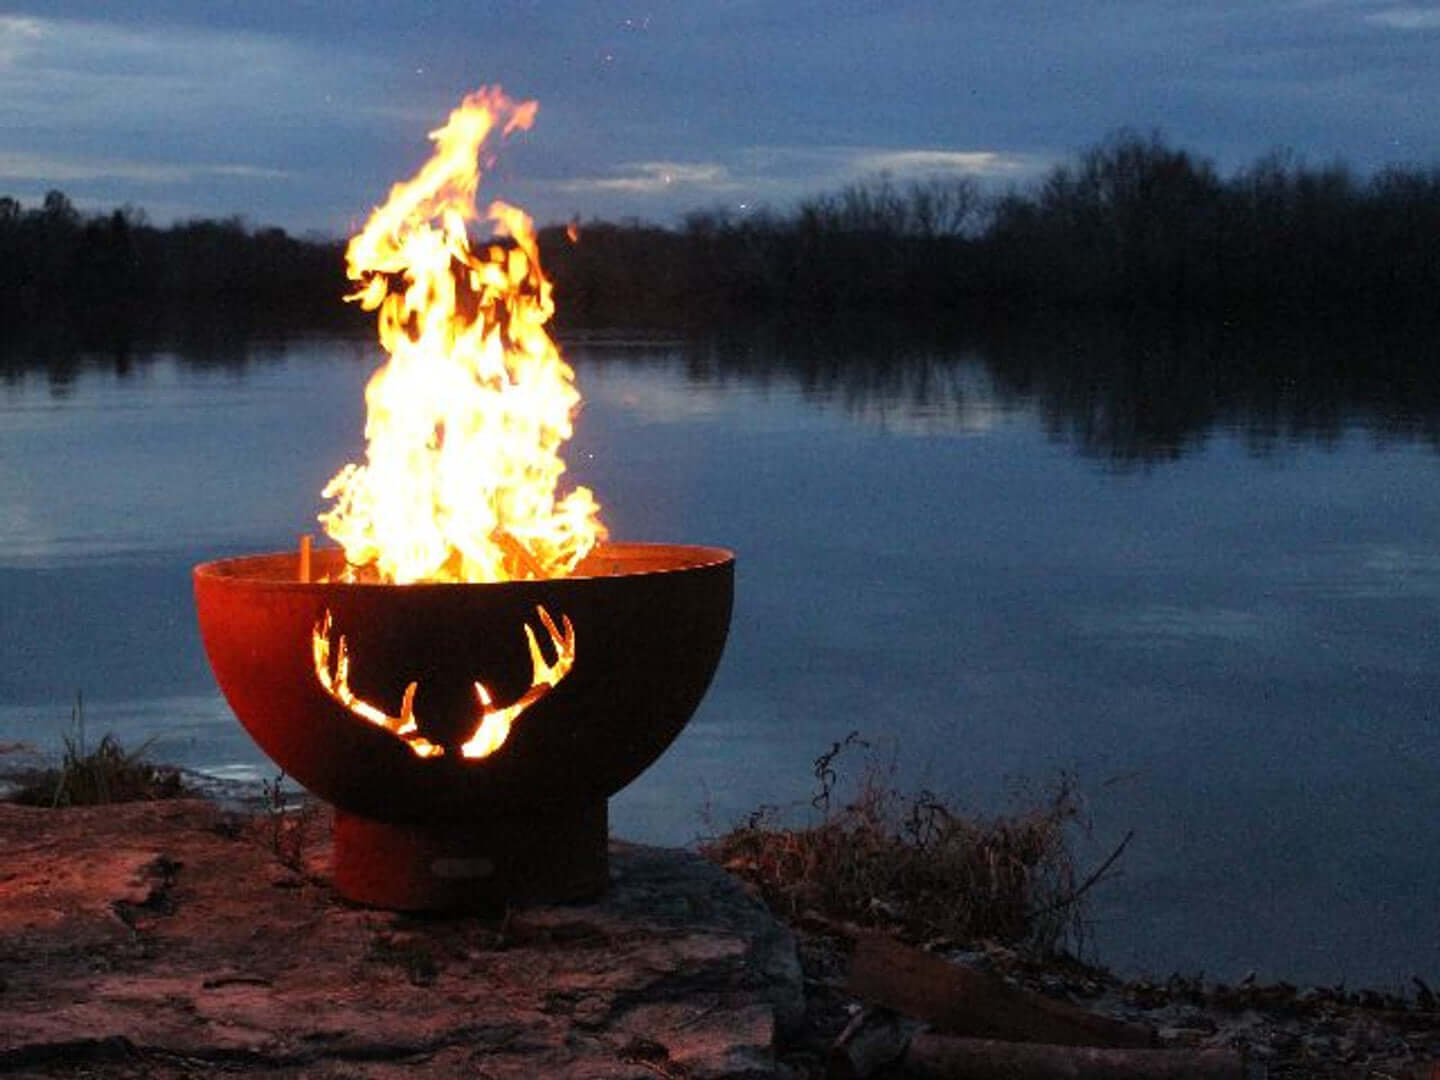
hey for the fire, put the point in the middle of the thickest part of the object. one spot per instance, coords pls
(466, 418)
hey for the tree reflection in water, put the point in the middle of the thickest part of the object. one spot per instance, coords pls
(1132, 392)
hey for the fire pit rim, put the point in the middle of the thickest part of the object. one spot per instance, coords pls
(645, 554)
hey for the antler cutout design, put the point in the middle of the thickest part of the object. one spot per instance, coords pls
(493, 725)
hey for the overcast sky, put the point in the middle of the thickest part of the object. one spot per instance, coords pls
(301, 113)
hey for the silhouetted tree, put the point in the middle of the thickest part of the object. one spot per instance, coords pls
(114, 275)
(1129, 224)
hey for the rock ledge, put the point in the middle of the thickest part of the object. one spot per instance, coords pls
(169, 939)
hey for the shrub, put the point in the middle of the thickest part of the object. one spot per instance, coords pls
(915, 866)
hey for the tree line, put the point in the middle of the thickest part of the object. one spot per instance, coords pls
(1130, 223)
(115, 272)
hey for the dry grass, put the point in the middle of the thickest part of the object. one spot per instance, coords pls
(106, 774)
(287, 829)
(914, 866)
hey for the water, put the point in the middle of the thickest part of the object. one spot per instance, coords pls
(1217, 611)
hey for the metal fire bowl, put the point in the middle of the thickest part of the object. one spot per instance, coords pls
(650, 624)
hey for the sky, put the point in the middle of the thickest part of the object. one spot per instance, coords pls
(302, 113)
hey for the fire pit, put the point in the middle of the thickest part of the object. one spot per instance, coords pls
(473, 671)
(526, 822)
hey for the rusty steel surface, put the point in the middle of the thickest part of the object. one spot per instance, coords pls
(479, 864)
(650, 623)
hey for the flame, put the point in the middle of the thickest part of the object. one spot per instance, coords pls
(467, 416)
(493, 726)
(336, 682)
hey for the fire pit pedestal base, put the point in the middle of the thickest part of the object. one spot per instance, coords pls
(471, 865)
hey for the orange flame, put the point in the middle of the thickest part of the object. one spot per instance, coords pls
(466, 418)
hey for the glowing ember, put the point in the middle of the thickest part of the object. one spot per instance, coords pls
(466, 419)
(493, 726)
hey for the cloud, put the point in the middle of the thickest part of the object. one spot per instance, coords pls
(912, 163)
(798, 171)
(65, 61)
(195, 120)
(17, 35)
(654, 177)
(24, 167)
(748, 178)
(1406, 18)
(117, 91)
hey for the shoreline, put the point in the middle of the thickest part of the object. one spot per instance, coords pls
(1286, 1029)
(257, 797)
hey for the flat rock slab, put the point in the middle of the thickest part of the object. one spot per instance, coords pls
(168, 939)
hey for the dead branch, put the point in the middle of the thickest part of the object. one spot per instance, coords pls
(1090, 882)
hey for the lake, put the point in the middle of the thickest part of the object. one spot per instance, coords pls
(1201, 578)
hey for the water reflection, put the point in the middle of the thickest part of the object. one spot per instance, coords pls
(1145, 392)
(1135, 392)
(61, 353)
(1250, 643)
(1130, 391)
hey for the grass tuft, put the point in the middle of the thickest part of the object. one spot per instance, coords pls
(915, 866)
(286, 829)
(106, 774)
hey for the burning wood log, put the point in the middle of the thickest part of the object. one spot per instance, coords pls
(513, 547)
(959, 1001)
